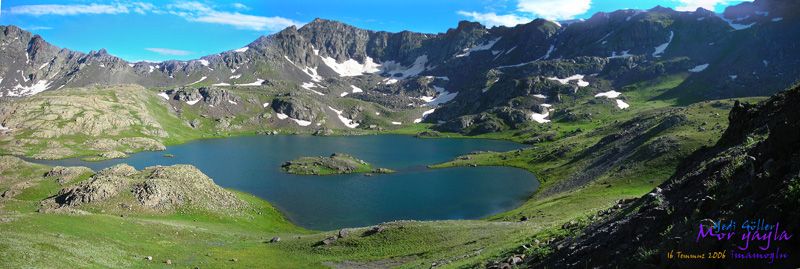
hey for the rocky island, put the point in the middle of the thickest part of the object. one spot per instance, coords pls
(337, 163)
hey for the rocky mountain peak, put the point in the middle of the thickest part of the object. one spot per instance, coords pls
(100, 53)
(35, 45)
(662, 9)
(465, 26)
(782, 8)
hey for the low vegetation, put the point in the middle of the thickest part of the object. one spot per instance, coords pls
(337, 163)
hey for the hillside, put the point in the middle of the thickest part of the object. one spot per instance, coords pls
(756, 158)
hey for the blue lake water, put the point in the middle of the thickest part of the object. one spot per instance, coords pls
(252, 164)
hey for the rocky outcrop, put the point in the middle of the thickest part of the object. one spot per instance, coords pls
(296, 108)
(166, 188)
(64, 175)
(216, 96)
(157, 189)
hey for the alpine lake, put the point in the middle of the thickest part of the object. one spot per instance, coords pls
(252, 164)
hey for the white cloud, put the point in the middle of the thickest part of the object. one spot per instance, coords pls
(165, 51)
(39, 10)
(692, 5)
(240, 6)
(143, 8)
(34, 28)
(191, 11)
(492, 19)
(554, 9)
(194, 11)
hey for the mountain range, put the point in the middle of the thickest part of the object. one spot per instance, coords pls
(470, 79)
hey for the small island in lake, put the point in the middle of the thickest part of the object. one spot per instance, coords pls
(337, 163)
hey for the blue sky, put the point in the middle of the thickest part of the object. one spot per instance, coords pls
(178, 29)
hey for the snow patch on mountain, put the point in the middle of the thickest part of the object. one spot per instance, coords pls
(356, 89)
(699, 68)
(347, 122)
(258, 82)
(198, 81)
(241, 49)
(510, 50)
(442, 96)
(483, 46)
(309, 86)
(302, 122)
(540, 117)
(613, 95)
(21, 91)
(622, 105)
(544, 57)
(312, 72)
(424, 114)
(397, 71)
(733, 23)
(203, 62)
(191, 103)
(351, 68)
(609, 94)
(164, 95)
(578, 77)
(659, 50)
(282, 116)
